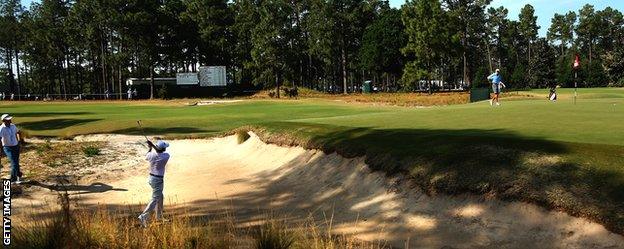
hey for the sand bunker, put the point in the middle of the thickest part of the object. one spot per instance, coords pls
(207, 177)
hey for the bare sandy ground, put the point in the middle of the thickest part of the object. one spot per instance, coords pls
(209, 177)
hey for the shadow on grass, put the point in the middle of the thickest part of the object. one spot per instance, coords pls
(54, 124)
(161, 131)
(77, 189)
(49, 114)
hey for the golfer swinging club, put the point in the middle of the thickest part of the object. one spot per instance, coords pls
(497, 83)
(158, 160)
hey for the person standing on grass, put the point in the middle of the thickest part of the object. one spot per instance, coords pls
(158, 160)
(11, 136)
(497, 84)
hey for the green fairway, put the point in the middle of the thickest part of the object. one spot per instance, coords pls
(583, 93)
(592, 120)
(559, 155)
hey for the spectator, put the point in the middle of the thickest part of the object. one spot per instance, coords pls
(11, 138)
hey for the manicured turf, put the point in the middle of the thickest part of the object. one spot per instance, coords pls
(559, 155)
(594, 120)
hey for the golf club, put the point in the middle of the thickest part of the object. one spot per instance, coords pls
(142, 131)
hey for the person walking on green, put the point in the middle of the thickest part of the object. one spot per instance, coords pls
(497, 84)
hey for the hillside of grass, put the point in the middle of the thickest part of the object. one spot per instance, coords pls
(560, 155)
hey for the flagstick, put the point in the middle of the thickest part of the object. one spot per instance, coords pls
(576, 65)
(575, 80)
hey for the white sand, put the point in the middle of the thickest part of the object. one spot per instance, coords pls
(207, 177)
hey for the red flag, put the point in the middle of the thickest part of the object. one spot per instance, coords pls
(577, 62)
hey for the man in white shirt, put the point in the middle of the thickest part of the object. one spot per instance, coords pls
(158, 160)
(11, 136)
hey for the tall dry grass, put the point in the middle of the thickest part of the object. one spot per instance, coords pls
(101, 228)
(393, 99)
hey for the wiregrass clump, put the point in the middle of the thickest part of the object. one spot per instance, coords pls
(274, 235)
(102, 228)
(68, 228)
(91, 151)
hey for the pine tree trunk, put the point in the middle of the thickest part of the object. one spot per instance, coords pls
(344, 70)
(10, 68)
(465, 77)
(277, 85)
(151, 82)
(310, 71)
(95, 88)
(19, 80)
(590, 54)
(120, 79)
(530, 65)
(62, 81)
(78, 75)
(111, 78)
(104, 78)
(68, 73)
(487, 46)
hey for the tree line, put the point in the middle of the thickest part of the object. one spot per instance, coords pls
(465, 40)
(91, 46)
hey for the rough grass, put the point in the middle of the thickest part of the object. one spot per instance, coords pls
(91, 151)
(58, 154)
(102, 228)
(50, 160)
(393, 99)
(408, 99)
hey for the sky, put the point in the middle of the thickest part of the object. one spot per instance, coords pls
(544, 9)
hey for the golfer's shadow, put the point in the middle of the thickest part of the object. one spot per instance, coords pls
(76, 189)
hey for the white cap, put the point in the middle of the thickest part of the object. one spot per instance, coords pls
(6, 117)
(161, 144)
(497, 70)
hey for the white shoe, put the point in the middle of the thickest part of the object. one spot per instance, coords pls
(18, 181)
(497, 103)
(143, 220)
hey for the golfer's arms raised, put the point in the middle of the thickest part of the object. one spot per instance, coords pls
(150, 145)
